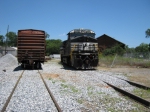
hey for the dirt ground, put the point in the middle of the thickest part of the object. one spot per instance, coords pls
(140, 75)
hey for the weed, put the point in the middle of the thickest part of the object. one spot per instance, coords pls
(64, 86)
(90, 90)
(80, 101)
(74, 89)
(100, 93)
(63, 81)
(111, 109)
(142, 93)
(53, 82)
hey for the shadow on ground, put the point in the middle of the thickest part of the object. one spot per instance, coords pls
(67, 67)
(18, 68)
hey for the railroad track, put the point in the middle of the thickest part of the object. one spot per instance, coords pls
(50, 93)
(134, 83)
(8, 100)
(130, 95)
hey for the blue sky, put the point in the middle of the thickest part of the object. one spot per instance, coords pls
(124, 20)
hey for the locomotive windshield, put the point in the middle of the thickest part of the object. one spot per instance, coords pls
(73, 35)
(81, 32)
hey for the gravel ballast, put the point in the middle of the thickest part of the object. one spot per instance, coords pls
(8, 76)
(74, 90)
(31, 95)
(81, 90)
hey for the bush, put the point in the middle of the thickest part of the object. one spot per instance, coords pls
(114, 50)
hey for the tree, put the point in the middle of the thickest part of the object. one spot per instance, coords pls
(117, 49)
(129, 50)
(47, 35)
(11, 39)
(53, 46)
(1, 40)
(147, 33)
(143, 50)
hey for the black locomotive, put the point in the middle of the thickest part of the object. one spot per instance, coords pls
(80, 50)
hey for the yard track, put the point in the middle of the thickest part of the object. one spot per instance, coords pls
(134, 83)
(8, 100)
(130, 95)
(50, 93)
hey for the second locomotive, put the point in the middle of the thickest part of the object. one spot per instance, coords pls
(80, 50)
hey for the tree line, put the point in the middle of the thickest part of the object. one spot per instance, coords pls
(53, 45)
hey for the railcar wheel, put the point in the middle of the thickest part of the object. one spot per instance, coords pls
(24, 66)
(38, 65)
(32, 66)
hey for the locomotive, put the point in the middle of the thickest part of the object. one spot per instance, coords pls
(80, 50)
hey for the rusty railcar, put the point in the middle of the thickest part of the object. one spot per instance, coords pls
(31, 47)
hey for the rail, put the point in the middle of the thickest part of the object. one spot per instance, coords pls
(8, 100)
(50, 93)
(134, 97)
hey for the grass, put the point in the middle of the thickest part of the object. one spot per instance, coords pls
(142, 93)
(50, 78)
(80, 101)
(53, 81)
(90, 90)
(72, 88)
(64, 86)
(63, 81)
(119, 60)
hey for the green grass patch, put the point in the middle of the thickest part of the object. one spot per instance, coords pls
(100, 93)
(90, 90)
(74, 89)
(119, 60)
(142, 93)
(80, 101)
(63, 81)
(64, 85)
(70, 87)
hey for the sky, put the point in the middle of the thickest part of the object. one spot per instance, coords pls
(124, 20)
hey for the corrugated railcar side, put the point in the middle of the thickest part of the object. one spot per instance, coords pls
(31, 47)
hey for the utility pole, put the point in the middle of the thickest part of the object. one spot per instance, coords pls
(6, 40)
